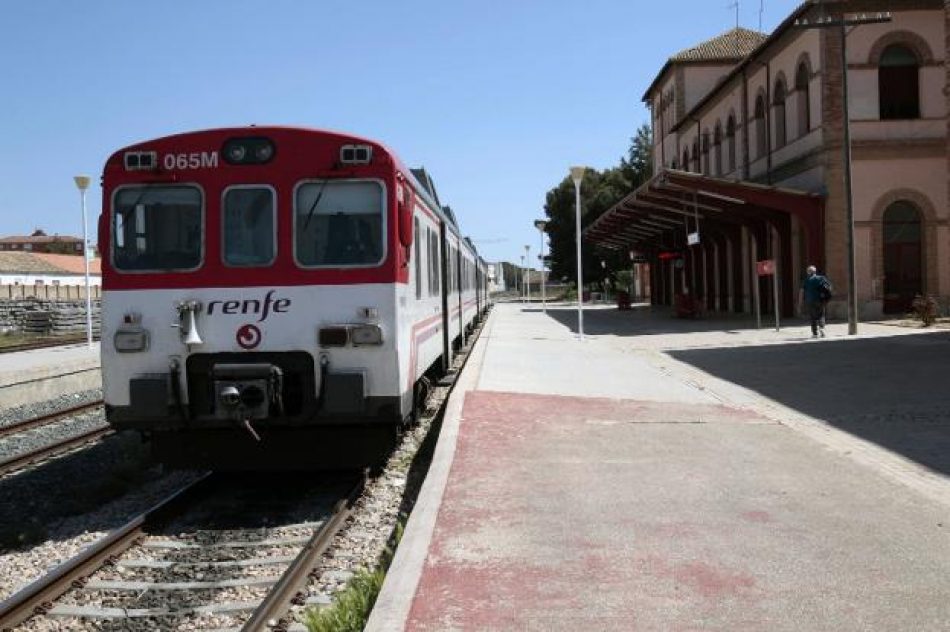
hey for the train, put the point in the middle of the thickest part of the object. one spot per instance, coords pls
(277, 297)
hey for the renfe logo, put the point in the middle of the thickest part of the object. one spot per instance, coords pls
(248, 336)
(252, 306)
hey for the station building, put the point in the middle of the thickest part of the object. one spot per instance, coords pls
(748, 133)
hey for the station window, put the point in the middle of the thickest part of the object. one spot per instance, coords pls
(898, 83)
(157, 228)
(339, 223)
(249, 235)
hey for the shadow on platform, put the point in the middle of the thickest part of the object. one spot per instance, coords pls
(644, 320)
(891, 391)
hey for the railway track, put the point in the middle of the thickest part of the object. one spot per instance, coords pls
(141, 578)
(44, 420)
(49, 450)
(44, 344)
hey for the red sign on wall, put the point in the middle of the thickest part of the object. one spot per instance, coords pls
(765, 268)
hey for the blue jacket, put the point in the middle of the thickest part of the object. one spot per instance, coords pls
(812, 287)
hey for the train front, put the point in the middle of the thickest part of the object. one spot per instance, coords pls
(249, 293)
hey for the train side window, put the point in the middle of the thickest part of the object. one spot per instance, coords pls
(438, 265)
(449, 286)
(433, 264)
(418, 257)
(248, 226)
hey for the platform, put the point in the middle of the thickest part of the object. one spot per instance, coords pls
(662, 475)
(38, 375)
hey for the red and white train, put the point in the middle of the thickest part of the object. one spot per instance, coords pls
(274, 297)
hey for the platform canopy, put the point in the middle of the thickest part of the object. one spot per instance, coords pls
(675, 208)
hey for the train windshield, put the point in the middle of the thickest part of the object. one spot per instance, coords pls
(157, 228)
(339, 223)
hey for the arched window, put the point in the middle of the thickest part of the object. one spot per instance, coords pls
(706, 169)
(761, 146)
(731, 142)
(778, 115)
(696, 155)
(903, 260)
(803, 99)
(898, 83)
(717, 149)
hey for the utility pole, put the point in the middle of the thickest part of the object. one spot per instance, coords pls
(842, 22)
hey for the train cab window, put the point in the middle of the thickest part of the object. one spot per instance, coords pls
(249, 235)
(157, 228)
(339, 223)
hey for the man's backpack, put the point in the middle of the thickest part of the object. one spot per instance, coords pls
(824, 291)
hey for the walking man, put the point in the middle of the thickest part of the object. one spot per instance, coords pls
(816, 292)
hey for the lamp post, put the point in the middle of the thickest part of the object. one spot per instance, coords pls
(82, 183)
(842, 23)
(527, 274)
(540, 224)
(577, 174)
(521, 270)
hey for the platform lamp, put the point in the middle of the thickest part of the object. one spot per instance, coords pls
(541, 224)
(82, 183)
(521, 274)
(527, 274)
(577, 174)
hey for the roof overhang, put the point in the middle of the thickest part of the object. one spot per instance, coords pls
(663, 211)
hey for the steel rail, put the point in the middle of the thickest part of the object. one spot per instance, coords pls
(44, 344)
(47, 451)
(37, 598)
(277, 603)
(43, 420)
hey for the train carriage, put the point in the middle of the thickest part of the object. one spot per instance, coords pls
(274, 297)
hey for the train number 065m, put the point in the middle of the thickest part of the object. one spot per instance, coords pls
(194, 160)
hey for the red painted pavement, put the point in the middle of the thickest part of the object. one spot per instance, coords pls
(540, 527)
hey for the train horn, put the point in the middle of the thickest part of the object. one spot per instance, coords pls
(188, 322)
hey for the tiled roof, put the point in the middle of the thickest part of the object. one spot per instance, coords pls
(38, 239)
(734, 44)
(70, 264)
(45, 263)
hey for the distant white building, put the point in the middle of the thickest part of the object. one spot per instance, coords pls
(36, 268)
(496, 280)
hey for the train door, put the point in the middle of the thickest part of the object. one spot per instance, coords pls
(443, 266)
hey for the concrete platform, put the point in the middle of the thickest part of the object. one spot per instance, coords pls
(654, 477)
(41, 374)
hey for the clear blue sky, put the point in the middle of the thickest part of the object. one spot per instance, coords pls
(496, 98)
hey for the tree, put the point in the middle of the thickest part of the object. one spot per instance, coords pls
(599, 192)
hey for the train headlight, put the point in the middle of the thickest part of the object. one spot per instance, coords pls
(366, 335)
(230, 396)
(263, 153)
(356, 154)
(236, 153)
(250, 150)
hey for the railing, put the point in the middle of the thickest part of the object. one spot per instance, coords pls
(48, 292)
